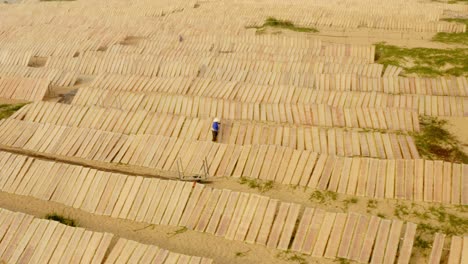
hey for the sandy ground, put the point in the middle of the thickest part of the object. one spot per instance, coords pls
(368, 36)
(220, 249)
(225, 250)
(371, 36)
(187, 242)
(458, 126)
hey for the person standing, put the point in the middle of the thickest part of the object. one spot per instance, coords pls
(215, 129)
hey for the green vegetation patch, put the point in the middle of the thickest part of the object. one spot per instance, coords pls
(372, 204)
(457, 20)
(272, 22)
(292, 257)
(349, 201)
(257, 184)
(424, 61)
(323, 197)
(342, 261)
(457, 1)
(452, 1)
(453, 38)
(447, 223)
(434, 141)
(6, 110)
(420, 242)
(60, 219)
(449, 220)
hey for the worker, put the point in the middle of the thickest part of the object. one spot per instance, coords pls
(215, 128)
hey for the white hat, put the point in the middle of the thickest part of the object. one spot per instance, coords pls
(216, 120)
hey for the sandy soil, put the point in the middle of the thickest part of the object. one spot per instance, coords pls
(372, 36)
(387, 208)
(222, 249)
(458, 126)
(188, 242)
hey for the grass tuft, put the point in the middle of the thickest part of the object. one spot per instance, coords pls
(457, 20)
(433, 219)
(61, 219)
(242, 254)
(349, 201)
(462, 208)
(372, 204)
(272, 22)
(257, 184)
(453, 38)
(434, 141)
(323, 197)
(352, 200)
(457, 1)
(424, 61)
(343, 261)
(401, 210)
(381, 215)
(421, 242)
(6, 110)
(289, 256)
(178, 231)
(451, 1)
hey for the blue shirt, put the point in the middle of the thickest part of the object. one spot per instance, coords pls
(215, 126)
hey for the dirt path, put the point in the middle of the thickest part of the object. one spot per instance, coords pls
(127, 169)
